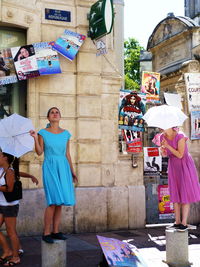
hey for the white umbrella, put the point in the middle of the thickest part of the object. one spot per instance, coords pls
(14, 135)
(164, 117)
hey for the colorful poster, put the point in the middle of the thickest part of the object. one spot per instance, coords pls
(119, 253)
(25, 62)
(7, 68)
(131, 110)
(195, 124)
(68, 44)
(47, 58)
(133, 141)
(151, 86)
(152, 161)
(165, 207)
(192, 81)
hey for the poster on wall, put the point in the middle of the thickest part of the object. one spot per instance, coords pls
(131, 110)
(68, 44)
(119, 253)
(7, 68)
(151, 86)
(195, 124)
(165, 206)
(133, 141)
(25, 62)
(152, 161)
(47, 58)
(192, 81)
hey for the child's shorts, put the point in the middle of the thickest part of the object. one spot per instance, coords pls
(9, 211)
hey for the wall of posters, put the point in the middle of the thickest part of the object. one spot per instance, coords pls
(192, 81)
(47, 58)
(151, 86)
(25, 62)
(68, 44)
(195, 124)
(152, 161)
(7, 68)
(165, 206)
(131, 110)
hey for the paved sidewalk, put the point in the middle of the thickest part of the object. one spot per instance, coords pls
(83, 250)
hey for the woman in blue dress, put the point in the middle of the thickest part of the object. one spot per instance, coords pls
(58, 173)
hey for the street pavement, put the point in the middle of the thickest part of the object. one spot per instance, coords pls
(83, 250)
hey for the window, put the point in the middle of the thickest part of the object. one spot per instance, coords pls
(12, 96)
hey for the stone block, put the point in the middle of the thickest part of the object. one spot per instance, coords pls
(88, 85)
(89, 152)
(88, 62)
(89, 106)
(111, 85)
(137, 207)
(66, 104)
(194, 216)
(109, 106)
(32, 206)
(54, 255)
(89, 175)
(108, 174)
(91, 210)
(36, 170)
(109, 152)
(109, 131)
(117, 208)
(89, 129)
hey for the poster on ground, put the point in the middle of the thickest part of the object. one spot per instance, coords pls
(131, 110)
(151, 86)
(47, 58)
(152, 161)
(119, 253)
(195, 124)
(7, 68)
(68, 44)
(165, 206)
(192, 81)
(25, 62)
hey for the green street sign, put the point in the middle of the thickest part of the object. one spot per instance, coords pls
(101, 19)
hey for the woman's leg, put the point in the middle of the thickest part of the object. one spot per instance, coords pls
(177, 211)
(12, 233)
(3, 241)
(185, 213)
(57, 219)
(48, 219)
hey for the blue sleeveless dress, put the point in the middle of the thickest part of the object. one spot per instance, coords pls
(57, 176)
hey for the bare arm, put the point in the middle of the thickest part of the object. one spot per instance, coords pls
(75, 179)
(27, 175)
(10, 179)
(39, 142)
(181, 147)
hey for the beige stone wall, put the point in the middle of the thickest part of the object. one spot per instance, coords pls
(87, 92)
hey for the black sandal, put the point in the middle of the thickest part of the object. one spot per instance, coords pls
(3, 260)
(10, 263)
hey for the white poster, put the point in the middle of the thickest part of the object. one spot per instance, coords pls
(192, 81)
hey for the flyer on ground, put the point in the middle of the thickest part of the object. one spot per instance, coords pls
(69, 43)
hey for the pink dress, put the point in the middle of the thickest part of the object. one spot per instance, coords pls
(182, 174)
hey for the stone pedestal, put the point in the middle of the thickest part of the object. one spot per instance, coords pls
(177, 248)
(54, 255)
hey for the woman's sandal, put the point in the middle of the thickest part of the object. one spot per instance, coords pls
(3, 260)
(10, 263)
(20, 252)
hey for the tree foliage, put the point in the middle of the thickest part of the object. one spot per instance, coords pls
(132, 50)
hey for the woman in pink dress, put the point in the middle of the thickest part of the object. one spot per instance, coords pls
(182, 175)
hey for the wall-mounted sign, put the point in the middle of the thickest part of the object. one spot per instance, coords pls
(60, 15)
(101, 18)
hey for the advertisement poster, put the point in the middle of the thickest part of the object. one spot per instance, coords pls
(151, 86)
(7, 68)
(25, 62)
(152, 161)
(47, 58)
(133, 141)
(166, 208)
(68, 44)
(131, 110)
(195, 124)
(118, 253)
(192, 81)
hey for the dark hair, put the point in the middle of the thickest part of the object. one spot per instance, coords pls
(15, 163)
(51, 109)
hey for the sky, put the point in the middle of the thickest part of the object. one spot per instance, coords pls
(142, 16)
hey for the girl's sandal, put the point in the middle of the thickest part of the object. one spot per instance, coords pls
(3, 260)
(10, 263)
(20, 252)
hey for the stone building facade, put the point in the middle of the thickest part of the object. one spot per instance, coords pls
(110, 193)
(175, 44)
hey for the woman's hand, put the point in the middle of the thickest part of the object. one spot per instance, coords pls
(33, 134)
(75, 179)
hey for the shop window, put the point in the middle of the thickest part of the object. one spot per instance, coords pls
(13, 97)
